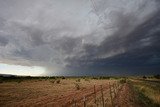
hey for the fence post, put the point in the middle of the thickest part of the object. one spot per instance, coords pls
(118, 86)
(114, 90)
(84, 101)
(111, 93)
(74, 103)
(95, 94)
(102, 95)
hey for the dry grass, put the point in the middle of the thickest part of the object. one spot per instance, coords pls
(152, 94)
(150, 89)
(44, 92)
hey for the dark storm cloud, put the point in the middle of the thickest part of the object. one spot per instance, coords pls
(81, 37)
(67, 45)
(3, 41)
(35, 35)
(141, 55)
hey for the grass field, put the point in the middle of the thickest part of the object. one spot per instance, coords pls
(148, 92)
(79, 92)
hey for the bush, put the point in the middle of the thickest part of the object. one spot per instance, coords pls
(87, 79)
(123, 81)
(77, 86)
(1, 81)
(104, 77)
(96, 78)
(63, 77)
(157, 76)
(52, 81)
(78, 80)
(58, 81)
(144, 77)
(39, 79)
(19, 81)
(53, 77)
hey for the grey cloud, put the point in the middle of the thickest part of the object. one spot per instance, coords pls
(2, 22)
(35, 35)
(67, 45)
(80, 37)
(22, 53)
(3, 41)
(134, 53)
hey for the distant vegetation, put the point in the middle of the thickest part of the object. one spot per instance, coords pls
(157, 76)
(19, 79)
(152, 77)
(143, 90)
(123, 80)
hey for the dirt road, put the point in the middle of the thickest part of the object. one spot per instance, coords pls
(125, 97)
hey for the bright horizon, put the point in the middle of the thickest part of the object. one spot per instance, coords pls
(21, 70)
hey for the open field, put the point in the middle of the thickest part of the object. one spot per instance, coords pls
(148, 92)
(80, 92)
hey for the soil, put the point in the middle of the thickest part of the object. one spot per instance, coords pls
(126, 97)
(45, 93)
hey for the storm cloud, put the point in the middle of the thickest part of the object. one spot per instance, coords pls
(82, 37)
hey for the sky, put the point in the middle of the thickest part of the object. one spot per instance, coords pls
(79, 37)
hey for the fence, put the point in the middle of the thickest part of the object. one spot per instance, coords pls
(112, 91)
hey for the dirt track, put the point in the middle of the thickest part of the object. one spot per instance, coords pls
(125, 97)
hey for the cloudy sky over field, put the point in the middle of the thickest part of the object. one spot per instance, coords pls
(79, 37)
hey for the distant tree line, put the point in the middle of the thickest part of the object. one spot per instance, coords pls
(154, 76)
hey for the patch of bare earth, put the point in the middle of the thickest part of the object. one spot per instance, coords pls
(46, 93)
(125, 97)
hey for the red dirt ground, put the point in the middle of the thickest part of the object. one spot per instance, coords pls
(45, 93)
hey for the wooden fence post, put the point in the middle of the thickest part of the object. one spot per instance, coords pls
(102, 96)
(117, 86)
(95, 94)
(111, 93)
(74, 103)
(84, 101)
(114, 90)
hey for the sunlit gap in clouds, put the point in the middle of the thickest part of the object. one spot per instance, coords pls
(21, 70)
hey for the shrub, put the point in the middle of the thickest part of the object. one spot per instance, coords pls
(63, 77)
(122, 81)
(58, 81)
(95, 78)
(77, 86)
(1, 81)
(52, 81)
(39, 79)
(78, 80)
(19, 81)
(103, 77)
(144, 77)
(53, 77)
(87, 79)
(157, 76)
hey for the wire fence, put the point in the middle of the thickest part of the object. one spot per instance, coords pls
(100, 96)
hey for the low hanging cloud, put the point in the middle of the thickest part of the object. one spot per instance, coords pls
(81, 37)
